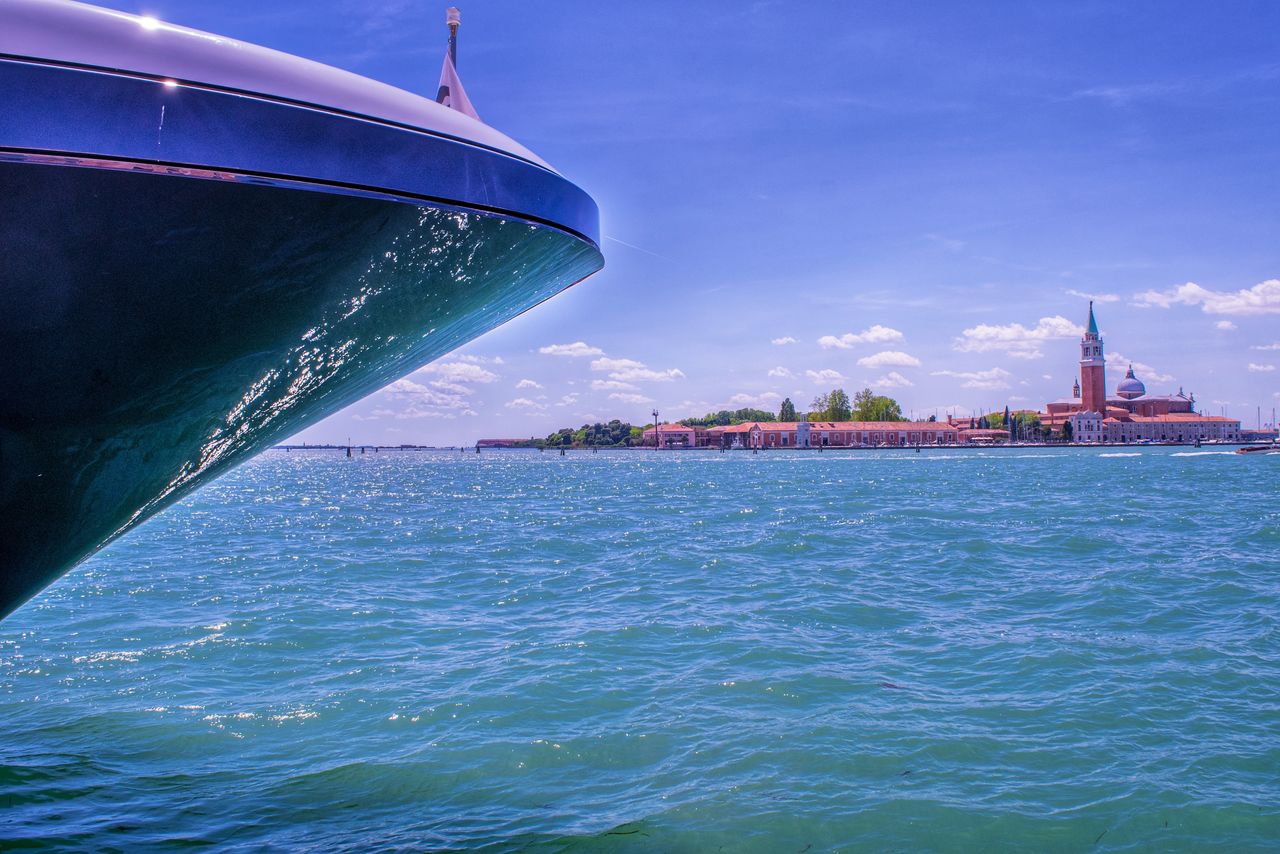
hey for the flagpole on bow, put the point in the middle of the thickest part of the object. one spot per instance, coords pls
(453, 18)
(451, 94)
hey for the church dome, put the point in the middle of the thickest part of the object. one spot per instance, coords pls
(1130, 387)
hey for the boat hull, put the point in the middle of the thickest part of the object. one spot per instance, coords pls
(163, 324)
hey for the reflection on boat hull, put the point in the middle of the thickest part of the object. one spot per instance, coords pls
(161, 327)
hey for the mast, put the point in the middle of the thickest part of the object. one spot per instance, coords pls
(453, 18)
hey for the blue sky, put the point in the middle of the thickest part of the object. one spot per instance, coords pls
(916, 197)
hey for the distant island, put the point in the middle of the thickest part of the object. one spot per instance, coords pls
(824, 413)
(1088, 416)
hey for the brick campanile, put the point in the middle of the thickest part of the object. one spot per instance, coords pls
(1093, 369)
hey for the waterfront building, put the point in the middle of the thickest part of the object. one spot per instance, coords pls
(1090, 427)
(983, 436)
(675, 436)
(1131, 414)
(806, 434)
(831, 434)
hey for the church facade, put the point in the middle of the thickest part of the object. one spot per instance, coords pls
(1131, 414)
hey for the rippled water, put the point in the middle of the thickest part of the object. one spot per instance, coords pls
(624, 651)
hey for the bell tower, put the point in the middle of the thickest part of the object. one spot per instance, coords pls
(1093, 369)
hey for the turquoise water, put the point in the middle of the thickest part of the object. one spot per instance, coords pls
(1071, 650)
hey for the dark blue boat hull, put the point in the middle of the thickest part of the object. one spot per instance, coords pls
(160, 328)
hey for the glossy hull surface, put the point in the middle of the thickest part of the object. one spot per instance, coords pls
(160, 328)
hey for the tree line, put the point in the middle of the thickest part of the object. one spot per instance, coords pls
(614, 434)
(833, 406)
(866, 405)
(728, 417)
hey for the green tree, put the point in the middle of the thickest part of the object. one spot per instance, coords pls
(838, 406)
(869, 406)
(1066, 431)
(614, 434)
(833, 406)
(1025, 425)
(788, 411)
(726, 417)
(561, 438)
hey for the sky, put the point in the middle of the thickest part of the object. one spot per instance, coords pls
(915, 197)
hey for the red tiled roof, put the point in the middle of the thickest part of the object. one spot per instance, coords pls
(888, 425)
(671, 428)
(838, 426)
(1182, 418)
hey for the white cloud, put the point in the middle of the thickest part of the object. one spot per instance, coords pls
(609, 364)
(1095, 297)
(575, 350)
(611, 385)
(890, 359)
(629, 370)
(647, 375)
(435, 400)
(1275, 346)
(1047, 376)
(528, 384)
(780, 372)
(1143, 371)
(413, 410)
(627, 397)
(426, 395)
(1260, 369)
(949, 243)
(406, 386)
(767, 400)
(525, 404)
(441, 390)
(1262, 298)
(448, 385)
(826, 375)
(1015, 339)
(568, 399)
(1121, 95)
(994, 378)
(1225, 325)
(460, 372)
(785, 339)
(893, 379)
(875, 335)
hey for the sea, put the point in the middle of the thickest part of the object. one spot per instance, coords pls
(1032, 650)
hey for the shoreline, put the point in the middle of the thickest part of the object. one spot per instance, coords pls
(650, 449)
